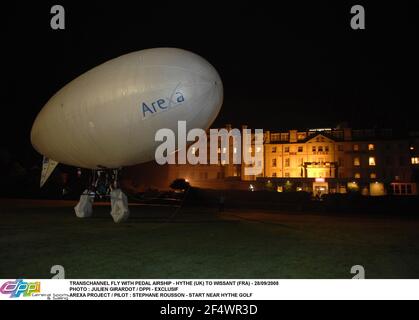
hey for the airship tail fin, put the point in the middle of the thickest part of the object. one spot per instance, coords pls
(48, 166)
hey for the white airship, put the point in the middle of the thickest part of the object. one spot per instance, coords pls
(107, 117)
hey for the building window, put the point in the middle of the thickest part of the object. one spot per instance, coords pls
(300, 149)
(371, 147)
(340, 147)
(409, 189)
(313, 148)
(274, 174)
(301, 135)
(287, 149)
(258, 149)
(415, 160)
(273, 149)
(326, 148)
(320, 148)
(275, 136)
(193, 150)
(341, 162)
(357, 162)
(356, 147)
(274, 162)
(373, 175)
(357, 175)
(235, 150)
(286, 174)
(284, 136)
(224, 150)
(287, 162)
(371, 161)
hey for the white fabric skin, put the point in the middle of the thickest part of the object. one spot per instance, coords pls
(119, 203)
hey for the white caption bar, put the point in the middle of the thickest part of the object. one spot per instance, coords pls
(198, 289)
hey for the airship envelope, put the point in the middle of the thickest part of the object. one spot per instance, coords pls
(108, 117)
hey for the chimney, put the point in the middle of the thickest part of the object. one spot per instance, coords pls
(293, 136)
(347, 134)
(267, 136)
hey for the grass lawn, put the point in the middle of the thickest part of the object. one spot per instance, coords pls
(199, 243)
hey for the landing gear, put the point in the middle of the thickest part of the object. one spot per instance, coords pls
(104, 184)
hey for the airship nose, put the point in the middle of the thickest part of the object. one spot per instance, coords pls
(37, 133)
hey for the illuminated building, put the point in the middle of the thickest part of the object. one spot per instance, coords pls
(340, 160)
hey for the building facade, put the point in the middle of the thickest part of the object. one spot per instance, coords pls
(369, 161)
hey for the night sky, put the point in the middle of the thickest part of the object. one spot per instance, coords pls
(285, 66)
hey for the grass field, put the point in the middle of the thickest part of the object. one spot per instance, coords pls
(200, 243)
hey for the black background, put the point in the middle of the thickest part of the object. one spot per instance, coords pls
(284, 65)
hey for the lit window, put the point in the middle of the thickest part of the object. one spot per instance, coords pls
(219, 150)
(357, 175)
(415, 160)
(356, 147)
(273, 149)
(235, 150)
(250, 149)
(258, 149)
(287, 162)
(371, 161)
(357, 162)
(373, 175)
(193, 150)
(371, 147)
(273, 162)
(224, 150)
